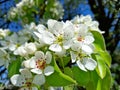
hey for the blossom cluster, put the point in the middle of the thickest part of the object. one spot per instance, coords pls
(39, 45)
(31, 8)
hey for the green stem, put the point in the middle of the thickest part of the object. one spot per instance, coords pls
(62, 63)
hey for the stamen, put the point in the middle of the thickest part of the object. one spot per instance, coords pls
(40, 64)
(80, 39)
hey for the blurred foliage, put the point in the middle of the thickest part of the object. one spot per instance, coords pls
(32, 11)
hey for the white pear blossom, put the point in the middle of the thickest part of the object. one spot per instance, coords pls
(35, 44)
(58, 35)
(4, 58)
(26, 81)
(26, 49)
(30, 47)
(83, 39)
(39, 64)
(10, 42)
(87, 20)
(4, 33)
(83, 61)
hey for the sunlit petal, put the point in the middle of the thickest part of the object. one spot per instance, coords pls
(48, 57)
(80, 65)
(39, 79)
(89, 63)
(55, 47)
(36, 71)
(18, 80)
(73, 56)
(48, 70)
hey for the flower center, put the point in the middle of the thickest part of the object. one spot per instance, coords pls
(41, 64)
(28, 84)
(80, 39)
(59, 39)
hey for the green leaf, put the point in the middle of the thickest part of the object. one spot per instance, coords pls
(96, 83)
(99, 85)
(106, 57)
(68, 71)
(66, 60)
(14, 67)
(99, 40)
(80, 76)
(92, 85)
(101, 67)
(106, 81)
(57, 79)
(66, 77)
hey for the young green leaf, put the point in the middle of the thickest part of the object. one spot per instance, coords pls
(56, 79)
(80, 76)
(99, 40)
(66, 77)
(101, 68)
(14, 67)
(68, 71)
(106, 57)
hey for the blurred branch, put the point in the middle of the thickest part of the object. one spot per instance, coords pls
(101, 7)
(106, 22)
(42, 9)
(116, 37)
(4, 1)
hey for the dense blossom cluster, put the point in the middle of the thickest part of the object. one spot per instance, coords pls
(39, 46)
(31, 8)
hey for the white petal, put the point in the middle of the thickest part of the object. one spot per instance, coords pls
(39, 79)
(4, 57)
(2, 53)
(89, 63)
(68, 31)
(67, 44)
(48, 38)
(34, 88)
(62, 53)
(57, 28)
(39, 55)
(80, 65)
(17, 80)
(20, 51)
(73, 56)
(12, 47)
(41, 28)
(83, 29)
(32, 62)
(26, 63)
(38, 35)
(2, 62)
(24, 88)
(51, 23)
(30, 48)
(89, 39)
(76, 46)
(26, 73)
(36, 71)
(55, 47)
(87, 49)
(48, 70)
(48, 57)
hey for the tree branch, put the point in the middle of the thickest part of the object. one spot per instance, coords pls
(114, 41)
(4, 1)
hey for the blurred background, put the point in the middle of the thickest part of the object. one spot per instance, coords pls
(106, 12)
